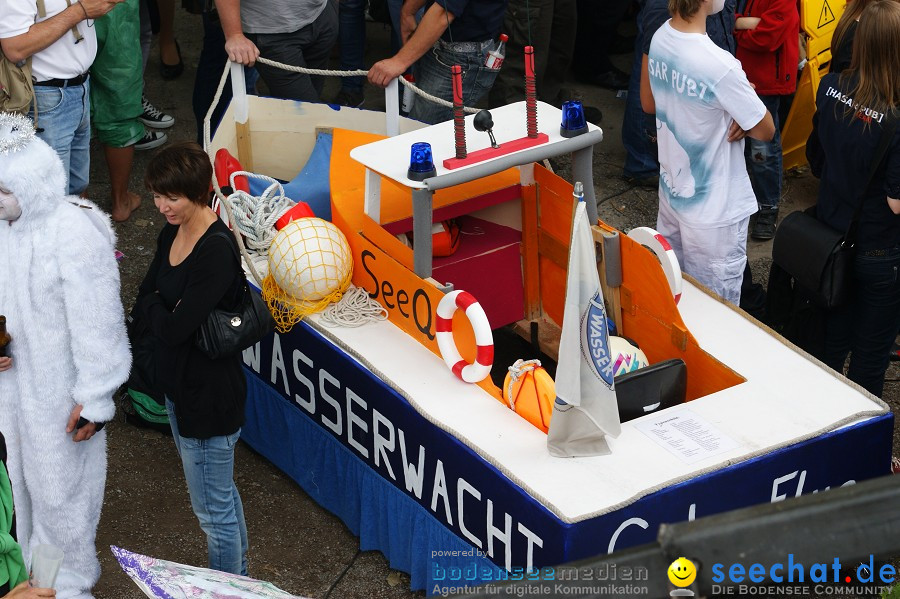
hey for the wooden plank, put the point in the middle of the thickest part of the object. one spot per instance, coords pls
(611, 295)
(245, 152)
(553, 249)
(548, 335)
(652, 319)
(387, 242)
(556, 209)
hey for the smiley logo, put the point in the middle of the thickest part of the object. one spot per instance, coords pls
(682, 572)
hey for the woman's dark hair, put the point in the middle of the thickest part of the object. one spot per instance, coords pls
(850, 15)
(180, 169)
(876, 58)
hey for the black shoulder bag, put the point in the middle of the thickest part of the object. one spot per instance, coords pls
(228, 332)
(819, 258)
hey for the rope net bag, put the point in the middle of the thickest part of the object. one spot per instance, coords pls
(310, 267)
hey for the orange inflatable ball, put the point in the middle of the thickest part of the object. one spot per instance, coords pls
(533, 396)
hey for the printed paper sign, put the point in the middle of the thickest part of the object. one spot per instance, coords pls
(686, 435)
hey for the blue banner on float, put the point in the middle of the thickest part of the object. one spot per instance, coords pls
(416, 493)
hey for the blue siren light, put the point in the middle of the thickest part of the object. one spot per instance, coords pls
(573, 122)
(421, 164)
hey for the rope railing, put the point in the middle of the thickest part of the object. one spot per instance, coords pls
(361, 73)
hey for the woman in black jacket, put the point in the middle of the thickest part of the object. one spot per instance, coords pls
(854, 109)
(193, 272)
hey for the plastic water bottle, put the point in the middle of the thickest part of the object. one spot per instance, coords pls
(495, 57)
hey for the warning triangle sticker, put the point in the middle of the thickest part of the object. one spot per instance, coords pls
(826, 17)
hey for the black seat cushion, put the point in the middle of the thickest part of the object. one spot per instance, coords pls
(644, 391)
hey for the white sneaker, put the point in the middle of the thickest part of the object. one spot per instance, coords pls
(151, 139)
(153, 117)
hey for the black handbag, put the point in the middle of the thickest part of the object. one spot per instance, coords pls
(819, 258)
(228, 332)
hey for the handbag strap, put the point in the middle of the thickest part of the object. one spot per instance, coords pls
(230, 245)
(887, 134)
(234, 251)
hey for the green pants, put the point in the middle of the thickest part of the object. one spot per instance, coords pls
(117, 78)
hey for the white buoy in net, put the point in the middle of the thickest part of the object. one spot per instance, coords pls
(310, 259)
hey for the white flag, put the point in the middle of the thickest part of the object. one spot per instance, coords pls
(585, 411)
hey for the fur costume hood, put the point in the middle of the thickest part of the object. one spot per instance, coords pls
(59, 287)
(35, 175)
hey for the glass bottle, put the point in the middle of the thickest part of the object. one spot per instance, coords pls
(5, 339)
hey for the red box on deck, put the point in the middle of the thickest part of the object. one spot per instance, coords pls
(488, 264)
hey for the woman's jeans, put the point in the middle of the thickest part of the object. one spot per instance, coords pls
(867, 326)
(209, 471)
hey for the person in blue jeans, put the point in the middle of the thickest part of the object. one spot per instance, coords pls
(65, 34)
(352, 39)
(193, 272)
(853, 113)
(451, 32)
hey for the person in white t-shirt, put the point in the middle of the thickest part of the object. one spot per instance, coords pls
(704, 108)
(62, 45)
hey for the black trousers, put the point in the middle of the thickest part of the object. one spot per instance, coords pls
(546, 25)
(596, 31)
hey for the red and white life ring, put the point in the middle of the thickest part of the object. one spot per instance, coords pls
(484, 339)
(657, 244)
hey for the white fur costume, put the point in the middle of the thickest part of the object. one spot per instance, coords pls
(59, 289)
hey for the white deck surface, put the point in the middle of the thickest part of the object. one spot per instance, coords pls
(786, 397)
(390, 156)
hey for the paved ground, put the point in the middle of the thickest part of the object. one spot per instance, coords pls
(294, 543)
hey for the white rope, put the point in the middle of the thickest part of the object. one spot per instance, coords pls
(361, 73)
(207, 145)
(516, 371)
(355, 309)
(255, 216)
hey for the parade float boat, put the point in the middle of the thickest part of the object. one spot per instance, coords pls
(439, 474)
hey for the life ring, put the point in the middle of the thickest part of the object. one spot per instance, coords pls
(657, 244)
(484, 339)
